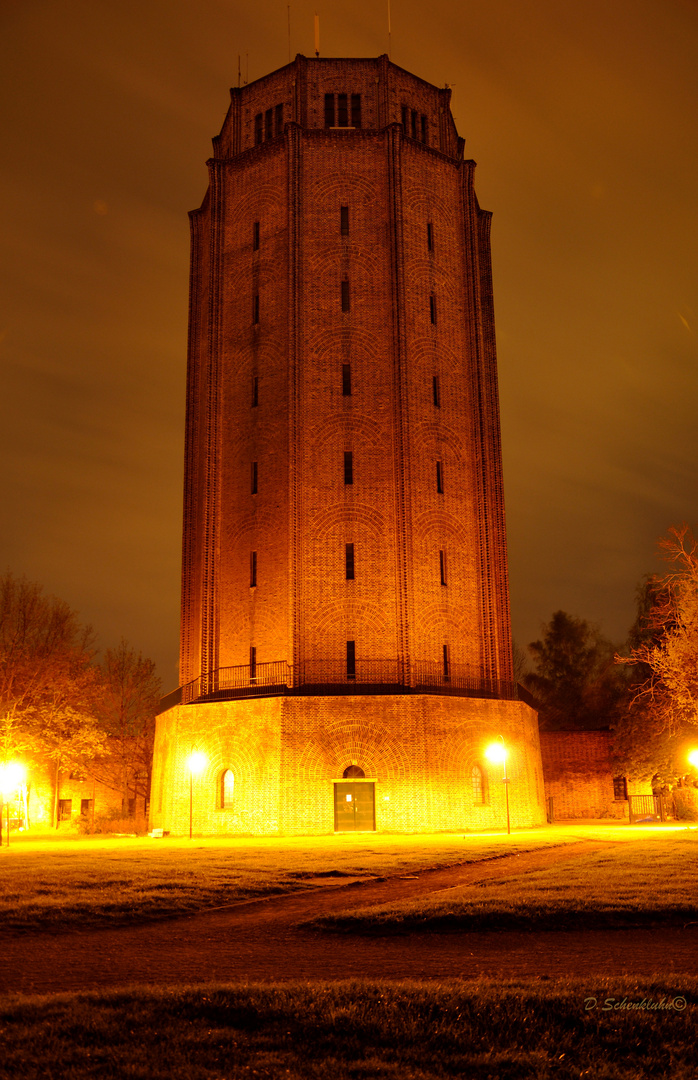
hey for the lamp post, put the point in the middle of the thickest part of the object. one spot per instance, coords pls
(496, 752)
(196, 763)
(11, 776)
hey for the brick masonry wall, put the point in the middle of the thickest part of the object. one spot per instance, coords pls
(403, 297)
(418, 310)
(40, 800)
(579, 776)
(285, 754)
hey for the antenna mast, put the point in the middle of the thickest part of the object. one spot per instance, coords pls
(317, 34)
(389, 30)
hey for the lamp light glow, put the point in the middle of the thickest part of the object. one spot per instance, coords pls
(196, 762)
(496, 753)
(11, 776)
(693, 758)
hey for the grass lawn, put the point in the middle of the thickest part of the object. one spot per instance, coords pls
(643, 882)
(59, 883)
(351, 1031)
(98, 881)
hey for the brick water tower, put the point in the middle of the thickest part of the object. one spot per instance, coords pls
(345, 638)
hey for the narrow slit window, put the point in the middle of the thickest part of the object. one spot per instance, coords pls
(253, 663)
(254, 478)
(413, 124)
(268, 124)
(348, 467)
(255, 236)
(432, 308)
(436, 390)
(430, 236)
(447, 664)
(258, 129)
(342, 111)
(346, 380)
(405, 118)
(253, 569)
(425, 129)
(279, 119)
(442, 567)
(255, 309)
(356, 110)
(255, 391)
(440, 477)
(329, 110)
(351, 659)
(345, 295)
(349, 561)
(344, 220)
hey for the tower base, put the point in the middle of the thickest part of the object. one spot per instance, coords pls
(422, 757)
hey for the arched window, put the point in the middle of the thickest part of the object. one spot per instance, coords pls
(353, 772)
(478, 783)
(227, 789)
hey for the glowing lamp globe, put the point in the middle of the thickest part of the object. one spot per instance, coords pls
(11, 776)
(496, 753)
(693, 758)
(196, 762)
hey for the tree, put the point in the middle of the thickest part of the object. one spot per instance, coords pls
(69, 740)
(575, 680)
(41, 645)
(651, 738)
(126, 704)
(46, 679)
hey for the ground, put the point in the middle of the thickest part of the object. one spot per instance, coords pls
(266, 939)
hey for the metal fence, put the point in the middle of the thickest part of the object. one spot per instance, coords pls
(650, 808)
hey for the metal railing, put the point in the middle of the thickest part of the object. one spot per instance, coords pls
(254, 676)
(650, 808)
(432, 677)
(336, 673)
(333, 676)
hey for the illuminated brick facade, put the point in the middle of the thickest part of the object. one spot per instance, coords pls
(344, 596)
(578, 771)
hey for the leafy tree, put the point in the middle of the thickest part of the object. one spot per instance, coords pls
(69, 739)
(574, 678)
(652, 737)
(126, 704)
(46, 680)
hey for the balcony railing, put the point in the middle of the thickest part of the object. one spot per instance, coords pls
(430, 677)
(336, 673)
(333, 677)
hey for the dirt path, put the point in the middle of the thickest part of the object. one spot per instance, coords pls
(261, 941)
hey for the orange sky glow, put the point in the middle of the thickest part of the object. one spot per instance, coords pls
(583, 118)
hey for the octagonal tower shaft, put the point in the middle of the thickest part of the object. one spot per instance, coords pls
(344, 512)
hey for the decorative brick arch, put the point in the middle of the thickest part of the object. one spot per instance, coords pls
(334, 519)
(379, 753)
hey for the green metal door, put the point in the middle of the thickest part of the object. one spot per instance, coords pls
(354, 807)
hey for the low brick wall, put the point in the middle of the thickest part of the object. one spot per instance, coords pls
(578, 775)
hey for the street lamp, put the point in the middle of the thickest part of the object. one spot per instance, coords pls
(11, 776)
(693, 758)
(497, 752)
(196, 763)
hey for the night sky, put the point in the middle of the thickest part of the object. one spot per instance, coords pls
(583, 118)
